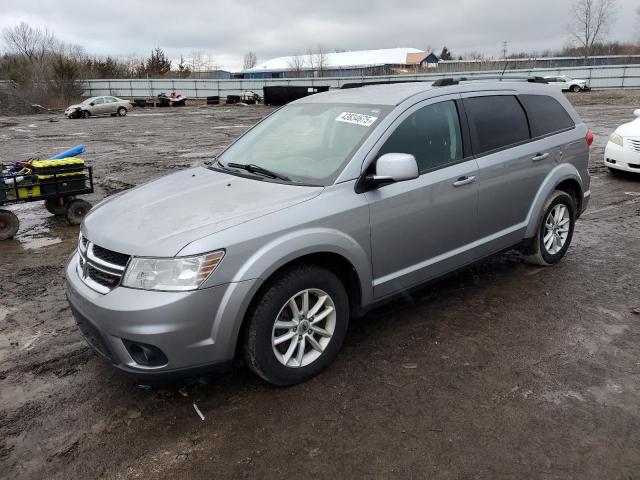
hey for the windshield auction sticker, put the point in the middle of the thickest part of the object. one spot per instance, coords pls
(357, 118)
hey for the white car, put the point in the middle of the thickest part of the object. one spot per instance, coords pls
(623, 148)
(568, 84)
(106, 105)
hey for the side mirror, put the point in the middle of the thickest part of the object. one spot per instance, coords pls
(637, 112)
(92, 104)
(394, 167)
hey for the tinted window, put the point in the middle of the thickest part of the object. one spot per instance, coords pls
(546, 114)
(496, 122)
(98, 101)
(431, 134)
(110, 100)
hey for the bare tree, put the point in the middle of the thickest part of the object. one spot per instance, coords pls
(296, 65)
(311, 60)
(591, 21)
(250, 60)
(30, 42)
(321, 60)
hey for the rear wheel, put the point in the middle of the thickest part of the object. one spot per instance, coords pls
(122, 111)
(555, 230)
(9, 224)
(57, 206)
(76, 211)
(296, 326)
(575, 88)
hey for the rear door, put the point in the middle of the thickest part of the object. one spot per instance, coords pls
(421, 228)
(110, 105)
(510, 167)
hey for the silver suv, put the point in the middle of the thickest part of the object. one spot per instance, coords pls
(332, 204)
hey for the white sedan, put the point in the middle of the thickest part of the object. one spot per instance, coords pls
(568, 84)
(623, 148)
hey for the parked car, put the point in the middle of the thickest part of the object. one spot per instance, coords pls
(331, 205)
(107, 105)
(568, 84)
(622, 152)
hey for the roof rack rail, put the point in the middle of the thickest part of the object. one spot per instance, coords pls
(380, 82)
(444, 82)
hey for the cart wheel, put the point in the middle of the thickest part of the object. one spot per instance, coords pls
(76, 210)
(9, 224)
(57, 206)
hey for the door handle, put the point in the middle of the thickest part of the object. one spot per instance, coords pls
(464, 181)
(539, 156)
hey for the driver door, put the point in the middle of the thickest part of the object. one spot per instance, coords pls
(423, 228)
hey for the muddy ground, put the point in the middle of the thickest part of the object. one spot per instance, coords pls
(502, 371)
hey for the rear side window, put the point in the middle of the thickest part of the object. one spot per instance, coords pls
(496, 122)
(546, 114)
(431, 134)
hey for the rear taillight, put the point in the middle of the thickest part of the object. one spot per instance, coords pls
(589, 138)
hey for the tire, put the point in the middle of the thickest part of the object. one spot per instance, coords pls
(541, 251)
(615, 171)
(86, 114)
(280, 364)
(76, 211)
(575, 88)
(9, 224)
(122, 112)
(57, 206)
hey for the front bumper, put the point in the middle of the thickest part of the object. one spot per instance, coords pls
(195, 330)
(622, 158)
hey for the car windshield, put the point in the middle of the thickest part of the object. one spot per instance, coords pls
(307, 142)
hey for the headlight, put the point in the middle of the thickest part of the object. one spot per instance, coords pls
(171, 274)
(615, 138)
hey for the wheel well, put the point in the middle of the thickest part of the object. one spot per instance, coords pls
(572, 187)
(336, 264)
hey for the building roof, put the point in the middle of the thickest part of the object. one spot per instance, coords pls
(356, 59)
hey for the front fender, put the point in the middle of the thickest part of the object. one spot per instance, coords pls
(562, 172)
(293, 245)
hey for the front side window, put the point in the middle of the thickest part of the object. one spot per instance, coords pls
(308, 142)
(496, 121)
(431, 134)
(98, 101)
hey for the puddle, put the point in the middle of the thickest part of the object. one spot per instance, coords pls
(39, 229)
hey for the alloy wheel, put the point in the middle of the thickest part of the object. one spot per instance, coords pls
(556, 229)
(303, 328)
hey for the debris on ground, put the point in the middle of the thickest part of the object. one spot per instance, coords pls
(13, 104)
(195, 407)
(183, 391)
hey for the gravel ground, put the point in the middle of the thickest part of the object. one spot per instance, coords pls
(503, 371)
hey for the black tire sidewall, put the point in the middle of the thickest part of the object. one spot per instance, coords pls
(272, 298)
(73, 216)
(559, 198)
(55, 209)
(122, 112)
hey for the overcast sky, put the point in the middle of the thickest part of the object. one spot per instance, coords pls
(226, 29)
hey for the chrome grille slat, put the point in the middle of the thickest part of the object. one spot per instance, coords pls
(96, 271)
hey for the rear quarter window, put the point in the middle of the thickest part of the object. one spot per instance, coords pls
(546, 114)
(496, 121)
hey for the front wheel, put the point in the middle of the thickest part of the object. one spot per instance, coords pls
(85, 114)
(296, 325)
(9, 224)
(575, 88)
(555, 231)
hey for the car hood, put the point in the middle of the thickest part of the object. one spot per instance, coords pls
(161, 217)
(73, 106)
(631, 129)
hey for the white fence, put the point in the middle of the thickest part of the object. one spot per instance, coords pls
(601, 77)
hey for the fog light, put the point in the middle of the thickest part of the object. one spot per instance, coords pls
(145, 355)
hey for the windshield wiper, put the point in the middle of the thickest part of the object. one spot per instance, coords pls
(253, 168)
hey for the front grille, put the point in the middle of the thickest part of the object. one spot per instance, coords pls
(634, 144)
(99, 268)
(91, 334)
(116, 258)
